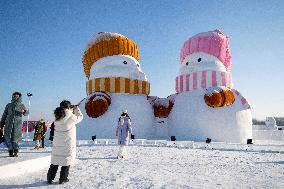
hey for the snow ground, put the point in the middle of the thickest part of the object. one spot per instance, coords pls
(26, 153)
(166, 167)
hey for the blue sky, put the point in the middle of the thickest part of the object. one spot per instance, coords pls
(42, 42)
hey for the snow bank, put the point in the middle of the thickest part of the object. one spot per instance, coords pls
(103, 36)
(24, 167)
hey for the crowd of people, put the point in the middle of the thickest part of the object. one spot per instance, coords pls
(62, 134)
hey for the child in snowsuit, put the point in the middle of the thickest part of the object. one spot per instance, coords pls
(39, 135)
(64, 142)
(123, 131)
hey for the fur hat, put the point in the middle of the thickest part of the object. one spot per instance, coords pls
(17, 93)
(108, 44)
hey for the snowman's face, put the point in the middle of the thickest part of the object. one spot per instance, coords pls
(201, 62)
(118, 66)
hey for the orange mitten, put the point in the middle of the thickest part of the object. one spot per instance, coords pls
(219, 97)
(97, 104)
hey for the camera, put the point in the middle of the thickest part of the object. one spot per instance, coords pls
(74, 106)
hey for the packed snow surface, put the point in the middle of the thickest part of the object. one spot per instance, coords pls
(165, 167)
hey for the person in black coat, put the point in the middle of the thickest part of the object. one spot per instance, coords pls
(2, 139)
(51, 133)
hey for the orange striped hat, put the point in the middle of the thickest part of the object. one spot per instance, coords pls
(107, 44)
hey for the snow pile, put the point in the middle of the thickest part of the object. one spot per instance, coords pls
(270, 122)
(103, 36)
(211, 90)
(156, 101)
(268, 134)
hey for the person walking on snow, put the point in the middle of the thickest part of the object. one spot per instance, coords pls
(64, 141)
(11, 121)
(123, 131)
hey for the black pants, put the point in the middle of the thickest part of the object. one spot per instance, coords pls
(11, 145)
(42, 142)
(53, 170)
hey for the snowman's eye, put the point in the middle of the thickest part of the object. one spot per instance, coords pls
(199, 60)
(186, 63)
(124, 62)
(138, 65)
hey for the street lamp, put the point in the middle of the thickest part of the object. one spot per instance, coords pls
(27, 131)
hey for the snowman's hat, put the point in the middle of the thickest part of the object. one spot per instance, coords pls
(214, 43)
(108, 44)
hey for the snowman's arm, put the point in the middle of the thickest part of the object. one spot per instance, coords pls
(162, 106)
(97, 104)
(244, 102)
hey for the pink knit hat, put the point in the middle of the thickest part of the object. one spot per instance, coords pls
(213, 42)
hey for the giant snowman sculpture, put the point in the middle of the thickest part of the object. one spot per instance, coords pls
(206, 105)
(115, 83)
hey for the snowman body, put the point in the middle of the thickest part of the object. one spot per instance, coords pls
(192, 119)
(138, 109)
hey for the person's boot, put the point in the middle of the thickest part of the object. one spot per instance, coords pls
(11, 153)
(51, 173)
(37, 146)
(16, 152)
(64, 174)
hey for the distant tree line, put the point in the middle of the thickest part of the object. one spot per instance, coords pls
(279, 121)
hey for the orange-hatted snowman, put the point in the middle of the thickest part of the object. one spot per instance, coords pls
(115, 84)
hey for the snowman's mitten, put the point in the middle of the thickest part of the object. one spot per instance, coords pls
(97, 104)
(162, 107)
(219, 97)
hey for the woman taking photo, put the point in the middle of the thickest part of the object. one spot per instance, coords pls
(64, 141)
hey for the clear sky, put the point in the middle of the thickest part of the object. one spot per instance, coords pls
(42, 43)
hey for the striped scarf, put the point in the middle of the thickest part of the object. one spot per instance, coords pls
(202, 80)
(117, 85)
(206, 79)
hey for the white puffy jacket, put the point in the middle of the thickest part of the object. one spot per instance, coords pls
(64, 141)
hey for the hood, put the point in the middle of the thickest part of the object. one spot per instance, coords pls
(61, 125)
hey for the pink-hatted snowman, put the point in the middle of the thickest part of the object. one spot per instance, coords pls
(206, 105)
